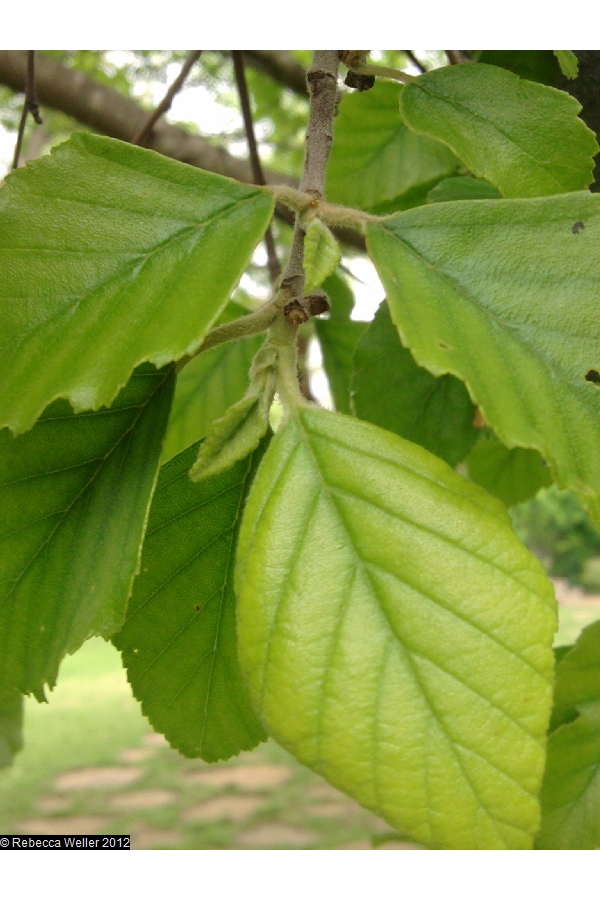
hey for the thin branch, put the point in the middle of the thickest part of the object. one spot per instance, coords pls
(30, 105)
(456, 57)
(259, 178)
(322, 85)
(281, 66)
(416, 62)
(167, 100)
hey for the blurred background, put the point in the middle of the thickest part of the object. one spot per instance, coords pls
(91, 763)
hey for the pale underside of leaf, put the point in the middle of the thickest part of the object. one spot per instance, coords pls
(395, 635)
(75, 493)
(111, 256)
(504, 295)
(522, 136)
(179, 641)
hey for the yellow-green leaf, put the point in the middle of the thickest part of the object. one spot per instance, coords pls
(395, 635)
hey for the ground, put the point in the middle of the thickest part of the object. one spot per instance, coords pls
(92, 765)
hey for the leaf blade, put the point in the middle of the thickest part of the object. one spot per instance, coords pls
(539, 345)
(336, 604)
(504, 128)
(142, 255)
(571, 790)
(183, 605)
(75, 497)
(376, 162)
(390, 390)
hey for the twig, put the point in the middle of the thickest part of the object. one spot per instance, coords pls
(322, 85)
(259, 178)
(165, 104)
(457, 57)
(30, 104)
(384, 72)
(416, 62)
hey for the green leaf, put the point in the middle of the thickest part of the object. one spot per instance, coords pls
(535, 65)
(390, 390)
(524, 137)
(234, 436)
(568, 62)
(511, 475)
(207, 386)
(338, 336)
(321, 254)
(357, 551)
(463, 187)
(179, 639)
(376, 162)
(504, 295)
(570, 793)
(111, 255)
(74, 495)
(11, 726)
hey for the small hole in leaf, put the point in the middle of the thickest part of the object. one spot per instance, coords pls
(577, 227)
(593, 376)
(444, 346)
(197, 608)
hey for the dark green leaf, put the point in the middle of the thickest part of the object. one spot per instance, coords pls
(523, 137)
(392, 391)
(377, 163)
(570, 793)
(511, 475)
(463, 187)
(207, 387)
(111, 256)
(74, 499)
(338, 337)
(179, 639)
(11, 725)
(535, 65)
(504, 294)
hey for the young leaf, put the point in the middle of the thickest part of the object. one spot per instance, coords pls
(463, 187)
(377, 163)
(111, 255)
(233, 437)
(321, 254)
(357, 551)
(568, 62)
(504, 295)
(74, 496)
(570, 793)
(338, 337)
(522, 136)
(511, 475)
(11, 725)
(390, 390)
(179, 641)
(208, 386)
